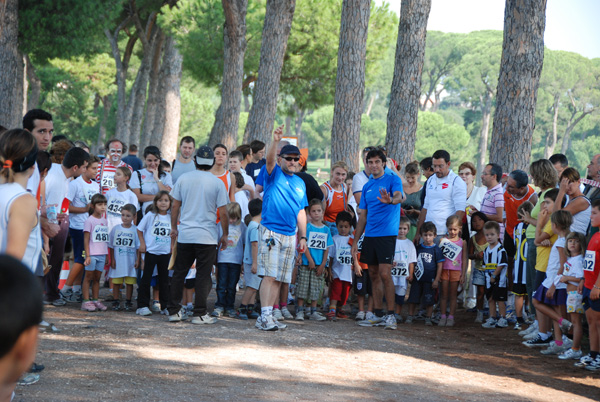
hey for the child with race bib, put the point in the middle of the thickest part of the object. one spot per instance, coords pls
(124, 258)
(252, 280)
(340, 266)
(310, 282)
(95, 242)
(495, 263)
(229, 262)
(154, 232)
(454, 268)
(119, 196)
(573, 276)
(405, 258)
(427, 274)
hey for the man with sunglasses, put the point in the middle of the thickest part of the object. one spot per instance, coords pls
(284, 201)
(108, 167)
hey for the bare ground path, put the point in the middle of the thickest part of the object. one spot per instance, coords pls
(114, 356)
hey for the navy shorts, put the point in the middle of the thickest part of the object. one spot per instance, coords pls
(589, 303)
(420, 290)
(77, 241)
(378, 250)
(362, 284)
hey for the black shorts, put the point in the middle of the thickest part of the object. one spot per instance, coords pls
(378, 250)
(519, 289)
(496, 293)
(509, 246)
(399, 300)
(362, 284)
(190, 283)
(420, 290)
(589, 303)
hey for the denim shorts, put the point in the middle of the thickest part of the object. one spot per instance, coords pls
(97, 264)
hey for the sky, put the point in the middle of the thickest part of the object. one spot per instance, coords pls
(571, 25)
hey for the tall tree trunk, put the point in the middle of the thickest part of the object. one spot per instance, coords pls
(152, 129)
(553, 136)
(406, 85)
(278, 23)
(566, 142)
(520, 70)
(106, 105)
(246, 102)
(11, 104)
(35, 85)
(225, 128)
(171, 79)
(486, 114)
(370, 104)
(350, 81)
(300, 115)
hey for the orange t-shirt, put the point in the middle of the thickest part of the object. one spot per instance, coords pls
(511, 204)
(335, 203)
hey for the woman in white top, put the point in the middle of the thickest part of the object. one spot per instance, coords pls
(20, 234)
(579, 206)
(147, 182)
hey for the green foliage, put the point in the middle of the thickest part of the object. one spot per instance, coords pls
(197, 110)
(317, 128)
(433, 134)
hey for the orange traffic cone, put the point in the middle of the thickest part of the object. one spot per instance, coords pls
(64, 274)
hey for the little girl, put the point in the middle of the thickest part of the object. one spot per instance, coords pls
(95, 243)
(119, 196)
(229, 262)
(155, 241)
(453, 268)
(573, 275)
(550, 298)
(477, 245)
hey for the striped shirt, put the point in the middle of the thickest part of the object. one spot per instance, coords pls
(492, 199)
(492, 259)
(520, 271)
(106, 175)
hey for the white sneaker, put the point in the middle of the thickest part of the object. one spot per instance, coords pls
(502, 323)
(529, 330)
(155, 307)
(316, 316)
(266, 323)
(300, 315)
(205, 319)
(143, 311)
(180, 316)
(553, 349)
(164, 312)
(570, 354)
(530, 336)
(370, 320)
(479, 318)
(277, 314)
(286, 313)
(360, 316)
(490, 323)
(390, 322)
(280, 326)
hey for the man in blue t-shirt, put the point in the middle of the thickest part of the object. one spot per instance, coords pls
(379, 219)
(284, 201)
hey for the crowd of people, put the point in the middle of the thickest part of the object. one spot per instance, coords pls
(520, 254)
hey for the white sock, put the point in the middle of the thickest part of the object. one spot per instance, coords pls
(266, 311)
(66, 287)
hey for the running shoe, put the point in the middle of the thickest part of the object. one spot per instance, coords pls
(180, 316)
(316, 316)
(145, 311)
(489, 323)
(280, 326)
(502, 323)
(595, 365)
(584, 361)
(99, 305)
(570, 354)
(205, 319)
(390, 322)
(266, 323)
(88, 306)
(277, 314)
(218, 312)
(370, 320)
(286, 313)
(360, 316)
(155, 306)
(300, 315)
(554, 349)
(537, 342)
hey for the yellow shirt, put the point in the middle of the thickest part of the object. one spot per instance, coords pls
(543, 253)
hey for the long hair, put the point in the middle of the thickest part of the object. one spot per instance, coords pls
(18, 152)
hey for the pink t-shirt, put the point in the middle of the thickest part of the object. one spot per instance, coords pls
(98, 229)
(452, 254)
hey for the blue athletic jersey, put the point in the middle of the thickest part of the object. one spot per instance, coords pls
(319, 239)
(382, 219)
(428, 258)
(284, 197)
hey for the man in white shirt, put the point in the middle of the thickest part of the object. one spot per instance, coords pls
(446, 195)
(184, 163)
(360, 179)
(57, 187)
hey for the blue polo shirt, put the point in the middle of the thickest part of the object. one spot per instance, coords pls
(284, 196)
(382, 219)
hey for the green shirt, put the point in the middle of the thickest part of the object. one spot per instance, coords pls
(530, 232)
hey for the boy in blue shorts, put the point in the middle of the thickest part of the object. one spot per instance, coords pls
(427, 273)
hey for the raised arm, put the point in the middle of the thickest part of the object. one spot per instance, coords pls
(272, 152)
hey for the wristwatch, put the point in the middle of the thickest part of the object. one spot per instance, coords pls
(303, 238)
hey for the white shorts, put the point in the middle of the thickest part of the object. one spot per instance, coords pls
(574, 302)
(276, 254)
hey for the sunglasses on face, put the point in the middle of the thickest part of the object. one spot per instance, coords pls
(291, 158)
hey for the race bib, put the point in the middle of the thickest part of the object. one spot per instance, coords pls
(590, 261)
(108, 180)
(88, 194)
(125, 239)
(344, 256)
(232, 239)
(114, 206)
(419, 270)
(450, 250)
(100, 234)
(162, 232)
(400, 268)
(317, 240)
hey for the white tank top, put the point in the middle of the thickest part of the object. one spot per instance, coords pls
(581, 220)
(8, 194)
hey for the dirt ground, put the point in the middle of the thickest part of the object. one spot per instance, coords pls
(118, 356)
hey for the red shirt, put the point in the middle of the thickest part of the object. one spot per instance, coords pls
(591, 267)
(511, 204)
